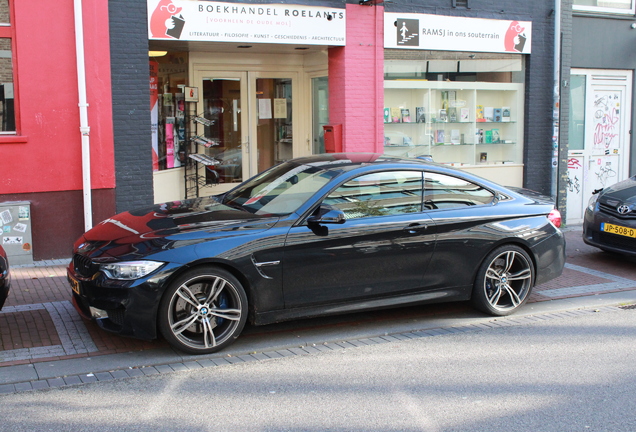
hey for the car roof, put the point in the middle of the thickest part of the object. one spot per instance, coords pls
(348, 161)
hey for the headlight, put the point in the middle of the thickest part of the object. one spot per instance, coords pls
(592, 202)
(129, 270)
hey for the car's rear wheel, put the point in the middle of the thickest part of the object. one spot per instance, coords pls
(203, 311)
(504, 281)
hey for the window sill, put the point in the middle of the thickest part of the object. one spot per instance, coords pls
(13, 139)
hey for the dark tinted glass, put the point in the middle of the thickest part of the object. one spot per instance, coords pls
(443, 192)
(379, 194)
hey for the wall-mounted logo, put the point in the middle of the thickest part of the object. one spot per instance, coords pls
(515, 38)
(408, 31)
(164, 22)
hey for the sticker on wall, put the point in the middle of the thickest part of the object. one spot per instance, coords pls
(20, 227)
(24, 213)
(6, 217)
(12, 240)
(6, 229)
(26, 247)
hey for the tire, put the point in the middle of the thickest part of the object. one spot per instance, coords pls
(203, 311)
(504, 281)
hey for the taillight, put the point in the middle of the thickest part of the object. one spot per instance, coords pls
(555, 218)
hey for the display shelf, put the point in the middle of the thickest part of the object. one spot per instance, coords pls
(455, 122)
(198, 166)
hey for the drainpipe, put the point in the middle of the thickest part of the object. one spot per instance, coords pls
(557, 98)
(83, 109)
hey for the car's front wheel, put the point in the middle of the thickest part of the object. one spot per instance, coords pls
(504, 281)
(203, 311)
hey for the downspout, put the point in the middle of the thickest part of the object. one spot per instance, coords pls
(557, 101)
(83, 109)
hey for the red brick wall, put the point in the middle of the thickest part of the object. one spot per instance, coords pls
(356, 86)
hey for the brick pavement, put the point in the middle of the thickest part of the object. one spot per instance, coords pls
(38, 322)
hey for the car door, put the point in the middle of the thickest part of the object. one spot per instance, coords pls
(383, 247)
(465, 217)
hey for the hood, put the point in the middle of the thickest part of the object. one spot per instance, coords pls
(621, 192)
(164, 226)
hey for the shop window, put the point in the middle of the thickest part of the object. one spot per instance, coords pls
(462, 109)
(168, 78)
(605, 6)
(7, 99)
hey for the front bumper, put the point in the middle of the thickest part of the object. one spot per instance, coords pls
(128, 308)
(593, 236)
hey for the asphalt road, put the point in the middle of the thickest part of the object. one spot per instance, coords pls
(568, 374)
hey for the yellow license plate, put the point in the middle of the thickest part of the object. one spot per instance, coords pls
(620, 230)
(75, 285)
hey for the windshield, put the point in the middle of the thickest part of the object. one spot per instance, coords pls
(281, 190)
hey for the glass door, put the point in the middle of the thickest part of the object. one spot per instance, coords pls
(273, 132)
(222, 98)
(249, 124)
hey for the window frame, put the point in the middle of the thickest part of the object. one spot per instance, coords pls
(605, 10)
(7, 31)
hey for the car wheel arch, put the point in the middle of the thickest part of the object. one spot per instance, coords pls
(218, 264)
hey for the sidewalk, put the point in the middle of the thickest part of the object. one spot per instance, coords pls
(39, 327)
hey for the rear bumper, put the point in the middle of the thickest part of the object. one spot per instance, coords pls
(550, 256)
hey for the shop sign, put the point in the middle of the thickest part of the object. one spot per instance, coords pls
(245, 22)
(445, 33)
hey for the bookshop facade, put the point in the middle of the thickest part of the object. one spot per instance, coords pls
(408, 83)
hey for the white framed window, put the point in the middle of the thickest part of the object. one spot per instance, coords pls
(605, 6)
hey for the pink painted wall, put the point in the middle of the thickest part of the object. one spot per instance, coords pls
(356, 80)
(46, 154)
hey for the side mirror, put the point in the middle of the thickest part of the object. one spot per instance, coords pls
(327, 215)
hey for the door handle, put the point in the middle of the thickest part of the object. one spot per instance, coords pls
(415, 227)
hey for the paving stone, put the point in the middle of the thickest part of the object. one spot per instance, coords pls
(164, 368)
(149, 371)
(7, 388)
(56, 382)
(247, 358)
(41, 384)
(104, 376)
(118, 374)
(206, 363)
(178, 366)
(24, 386)
(134, 372)
(72, 380)
(192, 365)
(87, 378)
(260, 356)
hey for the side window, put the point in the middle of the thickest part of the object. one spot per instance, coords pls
(444, 192)
(379, 194)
